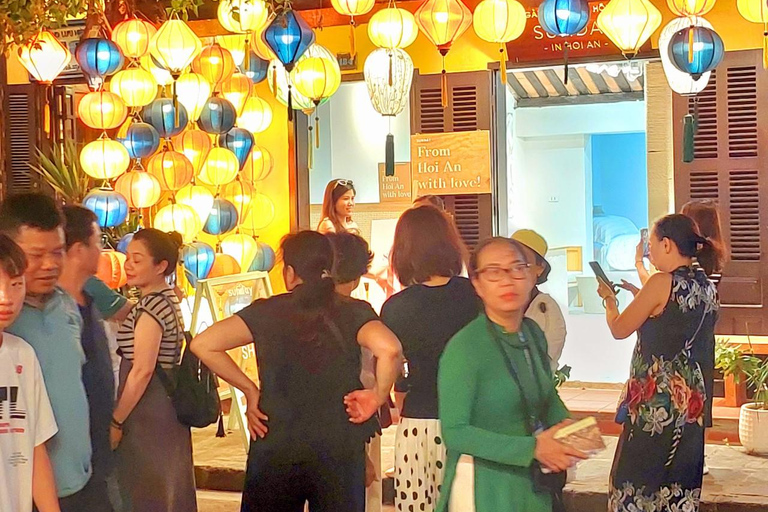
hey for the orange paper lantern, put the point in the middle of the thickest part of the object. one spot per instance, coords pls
(215, 63)
(172, 169)
(139, 188)
(224, 265)
(112, 269)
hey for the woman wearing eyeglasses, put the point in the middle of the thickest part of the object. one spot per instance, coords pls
(498, 404)
(338, 204)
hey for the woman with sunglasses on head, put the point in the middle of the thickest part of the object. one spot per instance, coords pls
(338, 204)
(498, 404)
(659, 461)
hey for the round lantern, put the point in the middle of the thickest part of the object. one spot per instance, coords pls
(278, 73)
(175, 45)
(237, 44)
(162, 76)
(172, 169)
(236, 90)
(756, 11)
(680, 81)
(195, 145)
(563, 17)
(629, 23)
(258, 165)
(215, 64)
(162, 115)
(261, 215)
(133, 36)
(239, 141)
(257, 68)
(392, 28)
(198, 198)
(260, 48)
(224, 265)
(193, 90)
(219, 168)
(197, 258)
(102, 110)
(696, 50)
(45, 57)
(242, 16)
(352, 8)
(222, 218)
(264, 260)
(239, 193)
(122, 245)
(499, 21)
(180, 218)
(136, 86)
(111, 269)
(256, 115)
(218, 116)
(139, 188)
(241, 247)
(110, 207)
(288, 36)
(690, 8)
(104, 159)
(316, 78)
(443, 21)
(141, 140)
(98, 58)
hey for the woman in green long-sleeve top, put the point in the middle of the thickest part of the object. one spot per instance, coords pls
(489, 425)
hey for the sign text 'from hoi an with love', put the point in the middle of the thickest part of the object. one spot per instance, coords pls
(451, 163)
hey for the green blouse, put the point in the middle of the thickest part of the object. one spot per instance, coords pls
(482, 414)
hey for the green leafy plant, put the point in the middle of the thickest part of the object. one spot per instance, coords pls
(62, 171)
(735, 362)
(20, 20)
(562, 375)
(182, 8)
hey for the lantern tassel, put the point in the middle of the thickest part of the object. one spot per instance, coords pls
(247, 59)
(390, 69)
(765, 47)
(389, 156)
(310, 149)
(565, 64)
(503, 63)
(317, 131)
(690, 44)
(290, 103)
(352, 38)
(688, 135)
(444, 86)
(175, 106)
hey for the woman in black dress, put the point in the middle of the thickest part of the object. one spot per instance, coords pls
(660, 457)
(311, 417)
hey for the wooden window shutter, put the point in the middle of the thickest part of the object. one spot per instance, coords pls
(731, 168)
(21, 137)
(469, 109)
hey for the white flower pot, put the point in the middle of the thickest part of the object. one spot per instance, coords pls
(753, 429)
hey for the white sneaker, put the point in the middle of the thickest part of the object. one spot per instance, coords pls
(706, 469)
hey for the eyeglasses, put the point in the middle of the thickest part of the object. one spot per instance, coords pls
(344, 183)
(496, 274)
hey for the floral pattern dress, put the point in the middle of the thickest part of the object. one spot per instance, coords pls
(659, 462)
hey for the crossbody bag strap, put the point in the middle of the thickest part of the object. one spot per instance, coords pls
(165, 379)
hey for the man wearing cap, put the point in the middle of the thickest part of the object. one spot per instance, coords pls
(542, 308)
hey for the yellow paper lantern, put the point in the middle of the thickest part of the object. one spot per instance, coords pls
(237, 44)
(215, 64)
(316, 78)
(180, 218)
(629, 23)
(242, 248)
(258, 165)
(256, 115)
(102, 110)
(193, 90)
(261, 215)
(104, 159)
(499, 21)
(392, 28)
(172, 169)
(756, 11)
(219, 168)
(197, 197)
(175, 45)
(443, 21)
(690, 7)
(136, 86)
(45, 57)
(195, 145)
(236, 90)
(260, 48)
(242, 16)
(162, 76)
(223, 265)
(239, 193)
(139, 188)
(133, 36)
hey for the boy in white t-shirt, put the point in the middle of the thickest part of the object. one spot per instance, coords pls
(26, 417)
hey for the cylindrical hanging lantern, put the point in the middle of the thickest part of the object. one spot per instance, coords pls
(236, 90)
(690, 8)
(679, 81)
(102, 110)
(175, 45)
(222, 217)
(242, 16)
(45, 57)
(197, 258)
(141, 140)
(104, 159)
(110, 207)
(224, 265)
(756, 11)
(258, 165)
(288, 36)
(198, 198)
(139, 188)
(98, 58)
(256, 68)
(162, 115)
(241, 247)
(261, 215)
(256, 115)
(195, 145)
(215, 64)
(218, 116)
(563, 17)
(696, 50)
(237, 44)
(239, 193)
(136, 86)
(111, 269)
(239, 141)
(134, 36)
(180, 218)
(219, 168)
(193, 90)
(161, 75)
(264, 260)
(629, 24)
(392, 28)
(172, 169)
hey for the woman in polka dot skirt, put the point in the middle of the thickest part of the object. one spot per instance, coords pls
(427, 257)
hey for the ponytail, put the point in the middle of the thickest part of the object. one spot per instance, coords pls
(710, 255)
(683, 232)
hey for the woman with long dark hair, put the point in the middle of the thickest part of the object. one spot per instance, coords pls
(310, 419)
(660, 458)
(338, 204)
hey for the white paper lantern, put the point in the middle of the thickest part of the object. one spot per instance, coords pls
(679, 81)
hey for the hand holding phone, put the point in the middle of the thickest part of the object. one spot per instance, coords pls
(602, 278)
(645, 241)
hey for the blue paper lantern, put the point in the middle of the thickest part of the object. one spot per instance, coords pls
(222, 219)
(122, 245)
(110, 207)
(162, 115)
(264, 261)
(197, 258)
(288, 36)
(98, 58)
(256, 68)
(141, 140)
(563, 17)
(706, 54)
(218, 116)
(239, 141)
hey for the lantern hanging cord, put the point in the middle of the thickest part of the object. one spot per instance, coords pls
(765, 46)
(352, 51)
(310, 148)
(503, 62)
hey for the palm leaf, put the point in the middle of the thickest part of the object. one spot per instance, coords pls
(62, 171)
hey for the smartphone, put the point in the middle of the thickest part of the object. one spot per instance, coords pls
(600, 275)
(646, 246)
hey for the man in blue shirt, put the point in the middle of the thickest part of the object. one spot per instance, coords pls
(51, 323)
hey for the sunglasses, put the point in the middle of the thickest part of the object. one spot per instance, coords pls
(344, 183)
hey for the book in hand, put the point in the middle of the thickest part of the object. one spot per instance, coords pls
(584, 435)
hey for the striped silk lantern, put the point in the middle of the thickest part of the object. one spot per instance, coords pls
(111, 269)
(241, 247)
(98, 58)
(140, 189)
(102, 110)
(110, 207)
(222, 218)
(264, 260)
(197, 258)
(195, 145)
(172, 169)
